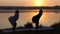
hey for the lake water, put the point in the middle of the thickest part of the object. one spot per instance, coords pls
(48, 18)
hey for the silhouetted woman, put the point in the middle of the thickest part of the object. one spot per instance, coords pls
(13, 19)
(36, 18)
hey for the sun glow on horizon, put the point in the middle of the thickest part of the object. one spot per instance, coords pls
(39, 2)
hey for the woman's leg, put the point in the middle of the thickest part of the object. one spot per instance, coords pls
(37, 25)
(14, 26)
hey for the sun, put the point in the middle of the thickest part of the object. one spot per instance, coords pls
(38, 2)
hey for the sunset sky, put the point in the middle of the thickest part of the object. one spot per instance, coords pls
(29, 2)
(47, 19)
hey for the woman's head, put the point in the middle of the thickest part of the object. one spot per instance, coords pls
(17, 11)
(40, 10)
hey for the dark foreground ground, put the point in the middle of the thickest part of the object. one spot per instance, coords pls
(48, 31)
(34, 32)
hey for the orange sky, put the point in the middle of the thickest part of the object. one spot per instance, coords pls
(29, 2)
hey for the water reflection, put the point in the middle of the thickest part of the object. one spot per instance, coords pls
(47, 19)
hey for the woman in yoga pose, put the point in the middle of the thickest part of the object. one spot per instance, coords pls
(36, 18)
(13, 19)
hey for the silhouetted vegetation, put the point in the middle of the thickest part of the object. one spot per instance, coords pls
(40, 26)
(56, 26)
(28, 25)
